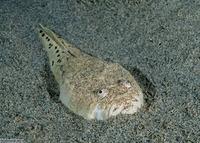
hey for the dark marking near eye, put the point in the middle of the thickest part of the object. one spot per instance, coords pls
(119, 81)
(48, 40)
(57, 51)
(43, 35)
(52, 63)
(59, 61)
(70, 53)
(56, 47)
(40, 31)
(58, 55)
(46, 37)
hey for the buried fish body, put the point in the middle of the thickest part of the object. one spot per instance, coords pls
(90, 87)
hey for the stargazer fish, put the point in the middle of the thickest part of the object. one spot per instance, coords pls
(90, 87)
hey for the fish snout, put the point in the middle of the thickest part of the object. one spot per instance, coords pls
(124, 107)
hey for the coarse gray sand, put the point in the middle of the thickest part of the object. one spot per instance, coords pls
(158, 41)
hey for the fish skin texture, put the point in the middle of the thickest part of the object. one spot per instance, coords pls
(90, 87)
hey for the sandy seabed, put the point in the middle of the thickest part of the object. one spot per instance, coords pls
(158, 41)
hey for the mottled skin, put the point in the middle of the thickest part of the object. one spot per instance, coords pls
(90, 87)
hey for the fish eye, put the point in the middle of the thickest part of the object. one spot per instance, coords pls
(102, 92)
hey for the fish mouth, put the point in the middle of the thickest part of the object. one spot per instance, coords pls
(103, 113)
(124, 105)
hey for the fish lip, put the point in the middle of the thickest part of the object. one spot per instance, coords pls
(104, 112)
(99, 113)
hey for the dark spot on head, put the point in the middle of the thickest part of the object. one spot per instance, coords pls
(100, 91)
(40, 31)
(119, 81)
(56, 47)
(48, 40)
(52, 63)
(59, 61)
(46, 37)
(57, 51)
(58, 55)
(43, 35)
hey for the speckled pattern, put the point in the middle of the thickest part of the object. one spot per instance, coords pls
(90, 87)
(158, 40)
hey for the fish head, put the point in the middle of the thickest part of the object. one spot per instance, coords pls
(100, 94)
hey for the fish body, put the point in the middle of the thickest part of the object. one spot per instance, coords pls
(90, 87)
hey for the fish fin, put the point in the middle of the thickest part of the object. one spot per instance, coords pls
(57, 52)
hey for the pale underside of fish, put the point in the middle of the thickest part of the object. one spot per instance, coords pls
(90, 87)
